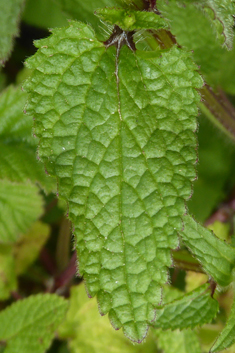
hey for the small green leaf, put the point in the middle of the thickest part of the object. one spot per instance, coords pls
(192, 309)
(18, 146)
(8, 282)
(20, 206)
(28, 246)
(87, 331)
(217, 257)
(226, 337)
(222, 12)
(185, 341)
(193, 30)
(20, 202)
(197, 28)
(130, 20)
(10, 12)
(123, 149)
(29, 325)
(224, 76)
(13, 121)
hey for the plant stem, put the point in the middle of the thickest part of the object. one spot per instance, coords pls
(47, 261)
(219, 110)
(63, 245)
(16, 295)
(66, 276)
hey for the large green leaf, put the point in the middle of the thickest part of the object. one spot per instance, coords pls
(29, 325)
(9, 18)
(192, 309)
(123, 148)
(217, 257)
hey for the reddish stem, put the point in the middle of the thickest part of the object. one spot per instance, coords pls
(16, 295)
(66, 276)
(149, 4)
(47, 261)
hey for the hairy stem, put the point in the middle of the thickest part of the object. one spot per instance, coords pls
(219, 110)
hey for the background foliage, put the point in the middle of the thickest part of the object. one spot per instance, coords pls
(44, 306)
